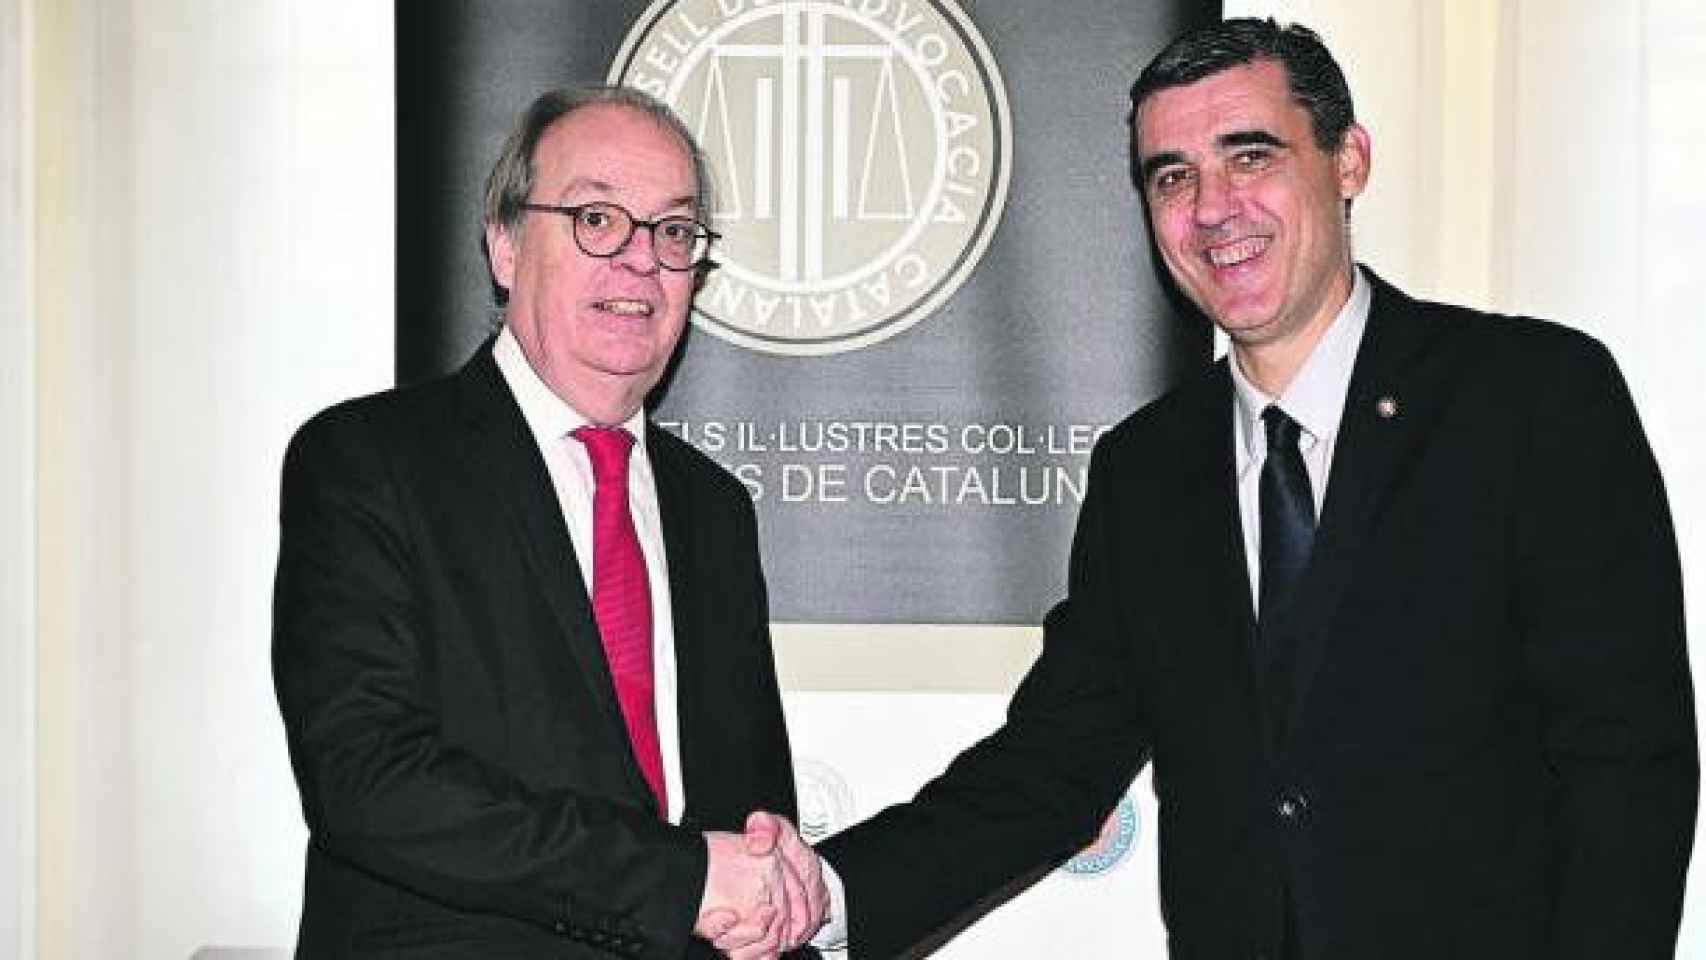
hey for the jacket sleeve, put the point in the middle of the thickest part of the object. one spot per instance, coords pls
(1599, 604)
(381, 788)
(1029, 795)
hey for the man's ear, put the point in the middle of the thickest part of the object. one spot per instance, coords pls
(1352, 161)
(500, 255)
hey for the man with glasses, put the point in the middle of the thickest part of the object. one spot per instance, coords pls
(521, 640)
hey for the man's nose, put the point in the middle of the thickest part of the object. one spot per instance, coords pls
(639, 254)
(1216, 199)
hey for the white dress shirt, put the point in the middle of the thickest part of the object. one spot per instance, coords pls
(552, 422)
(1315, 398)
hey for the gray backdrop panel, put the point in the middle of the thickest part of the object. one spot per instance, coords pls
(1061, 329)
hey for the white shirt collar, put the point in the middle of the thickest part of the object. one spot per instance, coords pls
(548, 416)
(1315, 398)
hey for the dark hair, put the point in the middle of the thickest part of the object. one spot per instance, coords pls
(511, 179)
(1313, 76)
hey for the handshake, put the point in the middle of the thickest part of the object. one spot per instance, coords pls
(764, 890)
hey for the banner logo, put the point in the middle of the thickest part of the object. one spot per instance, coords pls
(861, 149)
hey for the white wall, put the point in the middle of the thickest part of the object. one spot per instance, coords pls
(80, 272)
(263, 292)
(217, 201)
(17, 497)
(212, 261)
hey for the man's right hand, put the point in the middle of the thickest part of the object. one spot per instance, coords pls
(807, 893)
(744, 909)
(764, 890)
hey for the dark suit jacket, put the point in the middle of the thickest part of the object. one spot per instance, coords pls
(464, 769)
(1492, 747)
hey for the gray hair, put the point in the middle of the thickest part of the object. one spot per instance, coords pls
(511, 181)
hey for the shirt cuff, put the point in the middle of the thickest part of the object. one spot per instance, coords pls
(833, 934)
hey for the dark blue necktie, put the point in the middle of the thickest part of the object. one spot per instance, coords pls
(1288, 514)
(1288, 532)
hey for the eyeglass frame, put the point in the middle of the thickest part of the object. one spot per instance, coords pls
(573, 212)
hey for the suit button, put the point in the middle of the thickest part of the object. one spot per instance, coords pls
(1291, 806)
(560, 927)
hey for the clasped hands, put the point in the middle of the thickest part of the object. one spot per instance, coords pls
(764, 890)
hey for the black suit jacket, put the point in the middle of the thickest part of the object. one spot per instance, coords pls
(1491, 752)
(463, 765)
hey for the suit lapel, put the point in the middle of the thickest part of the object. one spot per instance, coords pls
(694, 713)
(1216, 469)
(1212, 532)
(675, 514)
(1387, 416)
(501, 446)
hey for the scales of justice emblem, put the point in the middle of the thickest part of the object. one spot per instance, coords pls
(860, 152)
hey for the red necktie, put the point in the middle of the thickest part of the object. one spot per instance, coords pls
(622, 598)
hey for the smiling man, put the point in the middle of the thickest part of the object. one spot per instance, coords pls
(521, 642)
(1389, 596)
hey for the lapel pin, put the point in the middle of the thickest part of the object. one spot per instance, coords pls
(1387, 407)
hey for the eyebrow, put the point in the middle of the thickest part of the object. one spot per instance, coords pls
(1226, 141)
(1248, 138)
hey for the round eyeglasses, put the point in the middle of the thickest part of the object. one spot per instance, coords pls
(604, 229)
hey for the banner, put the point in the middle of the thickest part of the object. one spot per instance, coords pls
(934, 287)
